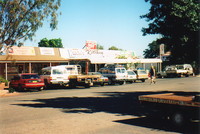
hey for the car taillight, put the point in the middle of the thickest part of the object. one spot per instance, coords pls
(50, 78)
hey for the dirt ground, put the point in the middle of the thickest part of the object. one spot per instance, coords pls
(5, 93)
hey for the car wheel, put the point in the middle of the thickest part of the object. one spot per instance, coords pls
(143, 80)
(102, 84)
(178, 119)
(87, 85)
(20, 88)
(111, 82)
(122, 82)
(72, 85)
(41, 88)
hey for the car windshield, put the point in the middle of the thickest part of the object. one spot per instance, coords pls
(141, 72)
(123, 70)
(70, 70)
(30, 76)
(180, 67)
(131, 73)
(57, 71)
(120, 70)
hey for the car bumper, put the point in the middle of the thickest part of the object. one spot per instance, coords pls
(33, 85)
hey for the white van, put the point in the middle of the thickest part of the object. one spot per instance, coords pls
(58, 75)
(115, 74)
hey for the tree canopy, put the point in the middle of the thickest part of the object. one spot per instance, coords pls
(114, 48)
(152, 51)
(20, 19)
(177, 21)
(50, 43)
(100, 47)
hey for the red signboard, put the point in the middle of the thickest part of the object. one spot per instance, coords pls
(91, 45)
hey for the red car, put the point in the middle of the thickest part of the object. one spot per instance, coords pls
(27, 81)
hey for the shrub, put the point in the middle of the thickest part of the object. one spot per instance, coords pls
(11, 90)
(3, 80)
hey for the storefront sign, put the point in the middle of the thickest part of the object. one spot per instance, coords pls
(91, 44)
(46, 51)
(91, 53)
(21, 50)
(11, 70)
(77, 53)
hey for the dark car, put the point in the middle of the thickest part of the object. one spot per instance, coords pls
(27, 81)
(101, 80)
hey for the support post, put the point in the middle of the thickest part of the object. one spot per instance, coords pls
(6, 70)
(30, 68)
(87, 67)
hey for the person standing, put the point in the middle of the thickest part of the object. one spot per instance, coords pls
(152, 75)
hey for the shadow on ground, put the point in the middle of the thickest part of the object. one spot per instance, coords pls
(121, 103)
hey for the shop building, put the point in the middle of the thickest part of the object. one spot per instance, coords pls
(27, 59)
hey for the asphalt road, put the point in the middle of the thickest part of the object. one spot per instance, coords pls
(97, 110)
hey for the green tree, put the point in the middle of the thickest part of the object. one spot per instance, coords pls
(177, 21)
(43, 43)
(20, 19)
(100, 47)
(152, 51)
(114, 48)
(50, 43)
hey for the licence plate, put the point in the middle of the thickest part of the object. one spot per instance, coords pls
(34, 81)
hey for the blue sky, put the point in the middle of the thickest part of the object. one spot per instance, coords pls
(109, 22)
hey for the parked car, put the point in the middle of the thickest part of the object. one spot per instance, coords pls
(99, 80)
(131, 76)
(179, 70)
(141, 75)
(27, 81)
(115, 74)
(161, 74)
(57, 75)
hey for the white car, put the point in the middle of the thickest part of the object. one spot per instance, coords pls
(131, 76)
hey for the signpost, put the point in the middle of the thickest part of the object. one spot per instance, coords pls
(162, 52)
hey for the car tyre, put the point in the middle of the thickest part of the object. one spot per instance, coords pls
(41, 88)
(102, 84)
(87, 85)
(178, 119)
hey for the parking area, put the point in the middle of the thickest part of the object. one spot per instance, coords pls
(109, 109)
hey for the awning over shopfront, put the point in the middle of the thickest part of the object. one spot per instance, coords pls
(43, 54)
(122, 61)
(32, 54)
(24, 59)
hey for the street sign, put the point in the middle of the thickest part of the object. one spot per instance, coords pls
(162, 49)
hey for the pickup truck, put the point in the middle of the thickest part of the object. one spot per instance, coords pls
(179, 108)
(179, 70)
(83, 80)
(66, 75)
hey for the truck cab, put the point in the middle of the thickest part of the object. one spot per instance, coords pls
(58, 75)
(115, 73)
